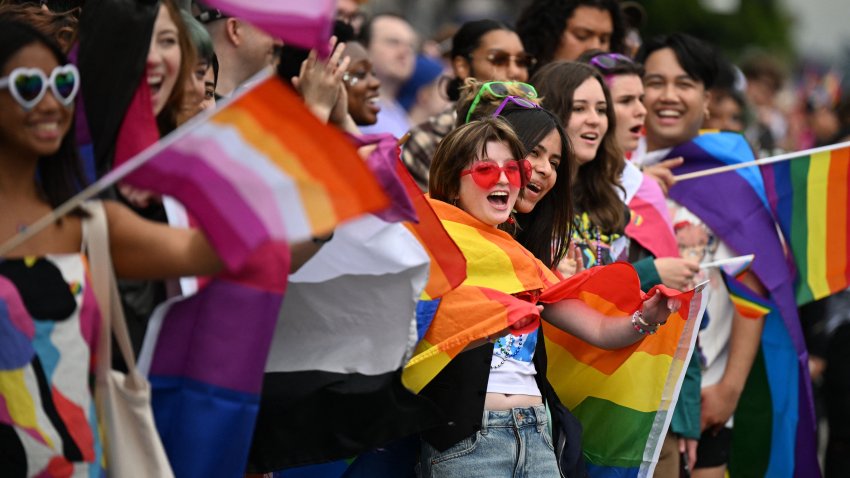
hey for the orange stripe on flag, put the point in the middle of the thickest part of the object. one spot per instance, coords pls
(836, 219)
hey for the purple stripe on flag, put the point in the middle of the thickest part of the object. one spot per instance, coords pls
(230, 224)
(220, 336)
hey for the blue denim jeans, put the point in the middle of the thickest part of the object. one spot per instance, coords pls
(512, 443)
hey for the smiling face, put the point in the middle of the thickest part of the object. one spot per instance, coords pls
(362, 86)
(589, 28)
(588, 122)
(627, 95)
(491, 206)
(39, 131)
(545, 159)
(493, 45)
(676, 104)
(163, 63)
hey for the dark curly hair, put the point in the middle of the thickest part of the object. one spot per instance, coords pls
(542, 23)
(596, 183)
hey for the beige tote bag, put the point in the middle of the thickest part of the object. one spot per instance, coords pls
(132, 445)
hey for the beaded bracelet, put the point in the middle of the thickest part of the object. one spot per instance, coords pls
(641, 326)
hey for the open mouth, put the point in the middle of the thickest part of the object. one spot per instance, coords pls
(590, 136)
(635, 129)
(534, 187)
(669, 114)
(498, 199)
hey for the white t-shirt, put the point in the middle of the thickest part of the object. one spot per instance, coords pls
(511, 369)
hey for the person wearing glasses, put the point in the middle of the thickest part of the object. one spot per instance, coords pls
(486, 50)
(624, 78)
(51, 320)
(542, 216)
(555, 30)
(492, 395)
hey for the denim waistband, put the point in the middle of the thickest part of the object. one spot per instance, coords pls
(515, 418)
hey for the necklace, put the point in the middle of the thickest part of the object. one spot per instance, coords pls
(509, 348)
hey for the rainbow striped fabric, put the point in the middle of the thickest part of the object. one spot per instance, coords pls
(735, 206)
(304, 24)
(810, 199)
(483, 300)
(746, 302)
(638, 385)
(260, 172)
(624, 398)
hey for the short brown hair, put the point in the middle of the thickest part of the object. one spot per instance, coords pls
(463, 145)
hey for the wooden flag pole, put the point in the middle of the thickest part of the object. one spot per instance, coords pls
(759, 162)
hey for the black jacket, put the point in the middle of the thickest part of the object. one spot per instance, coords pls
(460, 389)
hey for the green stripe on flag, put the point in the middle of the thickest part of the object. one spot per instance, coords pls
(619, 433)
(799, 170)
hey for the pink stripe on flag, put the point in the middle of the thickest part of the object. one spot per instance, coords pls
(252, 185)
(652, 228)
(307, 24)
(226, 217)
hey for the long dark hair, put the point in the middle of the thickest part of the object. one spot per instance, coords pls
(596, 183)
(542, 24)
(546, 230)
(59, 175)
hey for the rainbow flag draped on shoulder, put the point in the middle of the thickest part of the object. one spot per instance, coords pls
(809, 195)
(638, 385)
(735, 206)
(257, 174)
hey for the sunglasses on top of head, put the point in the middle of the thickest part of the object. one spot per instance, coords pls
(499, 89)
(486, 173)
(608, 61)
(29, 85)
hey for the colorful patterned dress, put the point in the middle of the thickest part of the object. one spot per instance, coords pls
(49, 330)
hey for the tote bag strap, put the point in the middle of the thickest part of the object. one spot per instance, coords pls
(96, 235)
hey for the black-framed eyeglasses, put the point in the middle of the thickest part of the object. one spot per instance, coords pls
(609, 61)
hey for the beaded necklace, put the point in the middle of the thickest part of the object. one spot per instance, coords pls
(508, 348)
(585, 232)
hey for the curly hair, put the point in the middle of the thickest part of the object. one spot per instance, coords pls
(541, 26)
(596, 183)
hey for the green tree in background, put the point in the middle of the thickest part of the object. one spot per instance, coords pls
(760, 23)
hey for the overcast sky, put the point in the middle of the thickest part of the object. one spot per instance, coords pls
(822, 26)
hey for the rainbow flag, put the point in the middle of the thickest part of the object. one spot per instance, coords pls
(746, 302)
(257, 174)
(735, 206)
(809, 197)
(623, 398)
(644, 378)
(305, 24)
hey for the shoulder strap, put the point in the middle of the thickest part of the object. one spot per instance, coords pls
(96, 236)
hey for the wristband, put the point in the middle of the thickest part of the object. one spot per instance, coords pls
(641, 326)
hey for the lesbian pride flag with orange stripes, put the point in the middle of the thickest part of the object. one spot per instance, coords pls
(262, 168)
(810, 199)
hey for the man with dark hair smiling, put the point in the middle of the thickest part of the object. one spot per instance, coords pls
(680, 70)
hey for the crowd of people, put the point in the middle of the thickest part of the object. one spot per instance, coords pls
(540, 134)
